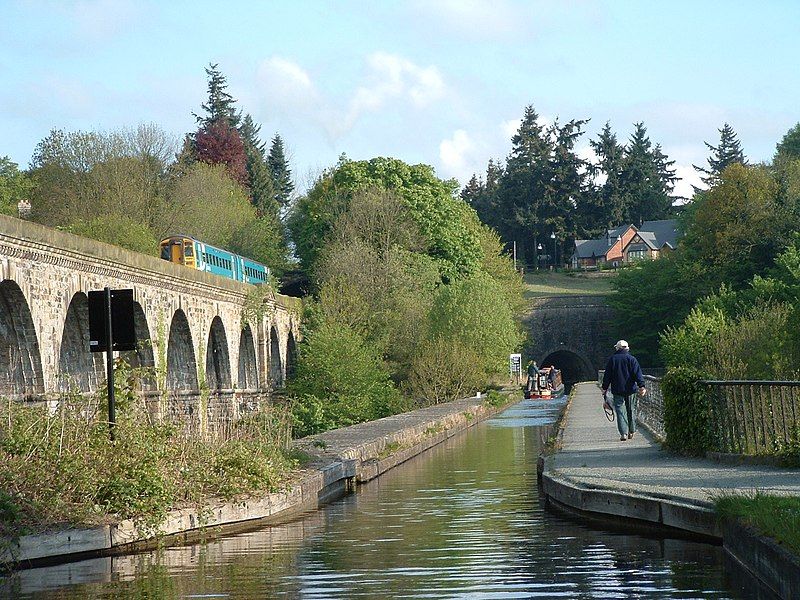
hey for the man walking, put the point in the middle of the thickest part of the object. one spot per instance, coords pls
(624, 376)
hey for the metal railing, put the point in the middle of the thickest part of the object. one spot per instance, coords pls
(651, 406)
(754, 417)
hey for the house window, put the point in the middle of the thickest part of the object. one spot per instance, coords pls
(637, 254)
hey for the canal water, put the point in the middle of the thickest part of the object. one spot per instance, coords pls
(464, 520)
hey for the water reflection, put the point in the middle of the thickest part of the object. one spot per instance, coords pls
(462, 521)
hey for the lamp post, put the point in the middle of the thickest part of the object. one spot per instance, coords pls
(553, 237)
(538, 255)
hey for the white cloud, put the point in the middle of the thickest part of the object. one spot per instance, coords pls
(457, 155)
(392, 77)
(286, 83)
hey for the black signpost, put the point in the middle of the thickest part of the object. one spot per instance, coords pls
(111, 329)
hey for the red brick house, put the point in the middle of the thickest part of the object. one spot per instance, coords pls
(625, 244)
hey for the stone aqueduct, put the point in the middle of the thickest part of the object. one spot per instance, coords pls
(190, 324)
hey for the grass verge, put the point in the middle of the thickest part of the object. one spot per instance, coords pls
(777, 517)
(59, 469)
(546, 283)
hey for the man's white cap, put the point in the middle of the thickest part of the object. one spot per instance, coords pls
(620, 345)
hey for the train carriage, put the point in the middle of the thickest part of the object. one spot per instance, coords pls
(188, 251)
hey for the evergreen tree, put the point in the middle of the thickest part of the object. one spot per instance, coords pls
(220, 103)
(606, 209)
(647, 179)
(524, 186)
(727, 153)
(262, 189)
(279, 169)
(789, 147)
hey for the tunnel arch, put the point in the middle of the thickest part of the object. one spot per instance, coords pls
(218, 364)
(79, 369)
(275, 362)
(181, 363)
(248, 367)
(573, 366)
(20, 358)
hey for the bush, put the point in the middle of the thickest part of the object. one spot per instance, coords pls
(340, 380)
(687, 411)
(445, 370)
(119, 230)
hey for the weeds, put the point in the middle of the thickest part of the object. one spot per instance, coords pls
(777, 517)
(61, 468)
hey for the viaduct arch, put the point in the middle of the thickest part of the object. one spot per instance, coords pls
(189, 324)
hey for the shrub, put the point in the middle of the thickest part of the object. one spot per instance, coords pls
(340, 380)
(444, 370)
(687, 411)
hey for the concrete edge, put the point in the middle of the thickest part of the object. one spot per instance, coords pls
(669, 514)
(314, 487)
(771, 563)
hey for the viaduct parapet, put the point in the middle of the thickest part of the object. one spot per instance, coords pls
(190, 324)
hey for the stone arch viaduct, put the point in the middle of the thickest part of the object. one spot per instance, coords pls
(190, 325)
(574, 333)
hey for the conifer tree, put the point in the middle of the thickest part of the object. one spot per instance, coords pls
(279, 169)
(647, 179)
(607, 210)
(728, 152)
(262, 189)
(220, 103)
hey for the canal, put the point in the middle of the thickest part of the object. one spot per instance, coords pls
(464, 520)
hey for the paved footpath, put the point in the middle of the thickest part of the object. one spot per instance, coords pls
(592, 456)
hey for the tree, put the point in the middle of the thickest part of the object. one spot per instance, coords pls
(207, 204)
(219, 143)
(448, 225)
(14, 186)
(262, 188)
(647, 179)
(608, 206)
(220, 104)
(262, 239)
(281, 174)
(728, 152)
(789, 147)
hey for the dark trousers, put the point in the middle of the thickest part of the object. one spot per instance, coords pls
(625, 409)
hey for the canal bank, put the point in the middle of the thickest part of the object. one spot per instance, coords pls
(337, 461)
(638, 483)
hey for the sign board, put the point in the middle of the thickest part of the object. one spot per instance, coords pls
(515, 364)
(122, 327)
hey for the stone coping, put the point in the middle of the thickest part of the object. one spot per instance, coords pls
(339, 459)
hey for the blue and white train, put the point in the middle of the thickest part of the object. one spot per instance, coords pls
(185, 250)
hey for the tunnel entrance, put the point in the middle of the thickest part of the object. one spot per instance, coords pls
(573, 368)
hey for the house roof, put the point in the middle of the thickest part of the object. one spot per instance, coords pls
(589, 248)
(665, 232)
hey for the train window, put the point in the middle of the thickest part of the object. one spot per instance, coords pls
(188, 248)
(165, 252)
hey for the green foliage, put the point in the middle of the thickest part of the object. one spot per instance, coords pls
(728, 152)
(789, 147)
(339, 381)
(777, 517)
(448, 225)
(62, 467)
(119, 230)
(262, 240)
(690, 344)
(14, 186)
(495, 399)
(459, 313)
(687, 411)
(443, 370)
(208, 204)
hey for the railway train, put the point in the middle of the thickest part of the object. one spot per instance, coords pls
(186, 250)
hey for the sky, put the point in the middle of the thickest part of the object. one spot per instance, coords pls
(441, 82)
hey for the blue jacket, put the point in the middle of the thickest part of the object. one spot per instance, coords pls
(623, 374)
